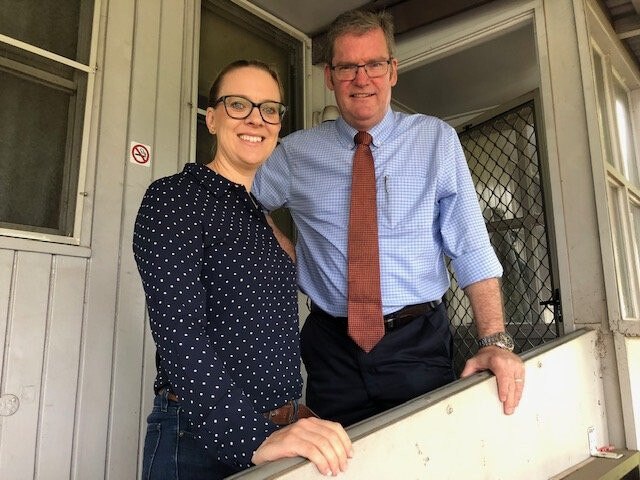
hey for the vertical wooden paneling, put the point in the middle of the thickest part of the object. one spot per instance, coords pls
(190, 55)
(586, 290)
(90, 440)
(171, 64)
(144, 83)
(22, 371)
(61, 364)
(148, 377)
(127, 388)
(6, 270)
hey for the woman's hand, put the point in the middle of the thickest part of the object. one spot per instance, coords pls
(324, 443)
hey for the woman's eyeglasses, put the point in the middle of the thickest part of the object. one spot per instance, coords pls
(239, 107)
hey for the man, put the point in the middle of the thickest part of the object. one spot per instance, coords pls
(426, 208)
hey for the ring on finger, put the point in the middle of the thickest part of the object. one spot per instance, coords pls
(519, 380)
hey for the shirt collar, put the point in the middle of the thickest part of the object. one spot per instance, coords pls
(214, 183)
(379, 132)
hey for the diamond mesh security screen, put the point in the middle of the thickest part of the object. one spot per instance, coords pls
(503, 158)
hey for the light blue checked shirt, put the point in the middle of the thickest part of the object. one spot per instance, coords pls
(427, 208)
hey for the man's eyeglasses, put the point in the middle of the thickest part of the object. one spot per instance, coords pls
(240, 107)
(373, 69)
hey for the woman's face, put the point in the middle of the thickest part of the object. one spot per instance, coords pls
(246, 143)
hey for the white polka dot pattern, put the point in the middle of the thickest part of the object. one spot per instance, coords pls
(222, 303)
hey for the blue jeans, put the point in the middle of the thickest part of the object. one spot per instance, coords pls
(172, 451)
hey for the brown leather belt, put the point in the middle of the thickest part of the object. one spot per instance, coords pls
(170, 395)
(403, 316)
(395, 320)
(287, 414)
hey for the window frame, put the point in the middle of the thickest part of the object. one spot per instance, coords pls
(11, 237)
(617, 179)
(615, 193)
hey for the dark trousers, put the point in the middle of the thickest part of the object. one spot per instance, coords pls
(346, 385)
(172, 452)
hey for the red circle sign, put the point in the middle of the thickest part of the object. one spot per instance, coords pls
(140, 154)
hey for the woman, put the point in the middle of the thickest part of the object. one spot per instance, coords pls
(222, 303)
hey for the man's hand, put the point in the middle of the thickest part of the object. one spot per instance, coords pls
(286, 244)
(508, 369)
(324, 443)
(486, 302)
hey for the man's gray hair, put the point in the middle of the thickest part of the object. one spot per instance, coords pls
(359, 22)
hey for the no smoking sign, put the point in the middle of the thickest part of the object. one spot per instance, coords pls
(140, 154)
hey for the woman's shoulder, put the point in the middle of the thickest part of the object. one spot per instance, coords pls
(178, 182)
(175, 192)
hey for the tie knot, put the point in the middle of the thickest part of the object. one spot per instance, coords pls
(363, 138)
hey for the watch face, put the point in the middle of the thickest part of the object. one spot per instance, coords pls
(505, 341)
(502, 340)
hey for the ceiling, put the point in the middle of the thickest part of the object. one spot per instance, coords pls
(308, 16)
(464, 82)
(624, 16)
(312, 16)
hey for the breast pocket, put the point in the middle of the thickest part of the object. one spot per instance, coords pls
(406, 204)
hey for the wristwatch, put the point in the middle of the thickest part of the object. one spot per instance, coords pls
(500, 339)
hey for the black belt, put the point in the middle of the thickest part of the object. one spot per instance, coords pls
(395, 320)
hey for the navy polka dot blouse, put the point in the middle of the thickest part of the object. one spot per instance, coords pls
(222, 302)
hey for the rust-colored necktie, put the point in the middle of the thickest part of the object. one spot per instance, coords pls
(366, 326)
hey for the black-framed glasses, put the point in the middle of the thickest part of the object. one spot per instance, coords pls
(239, 107)
(373, 69)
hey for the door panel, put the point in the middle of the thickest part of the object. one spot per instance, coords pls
(503, 156)
(229, 33)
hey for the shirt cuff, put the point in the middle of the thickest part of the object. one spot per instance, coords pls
(234, 430)
(476, 265)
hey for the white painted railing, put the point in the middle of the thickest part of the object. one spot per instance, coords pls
(459, 431)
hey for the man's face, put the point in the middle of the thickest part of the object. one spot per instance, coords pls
(363, 101)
